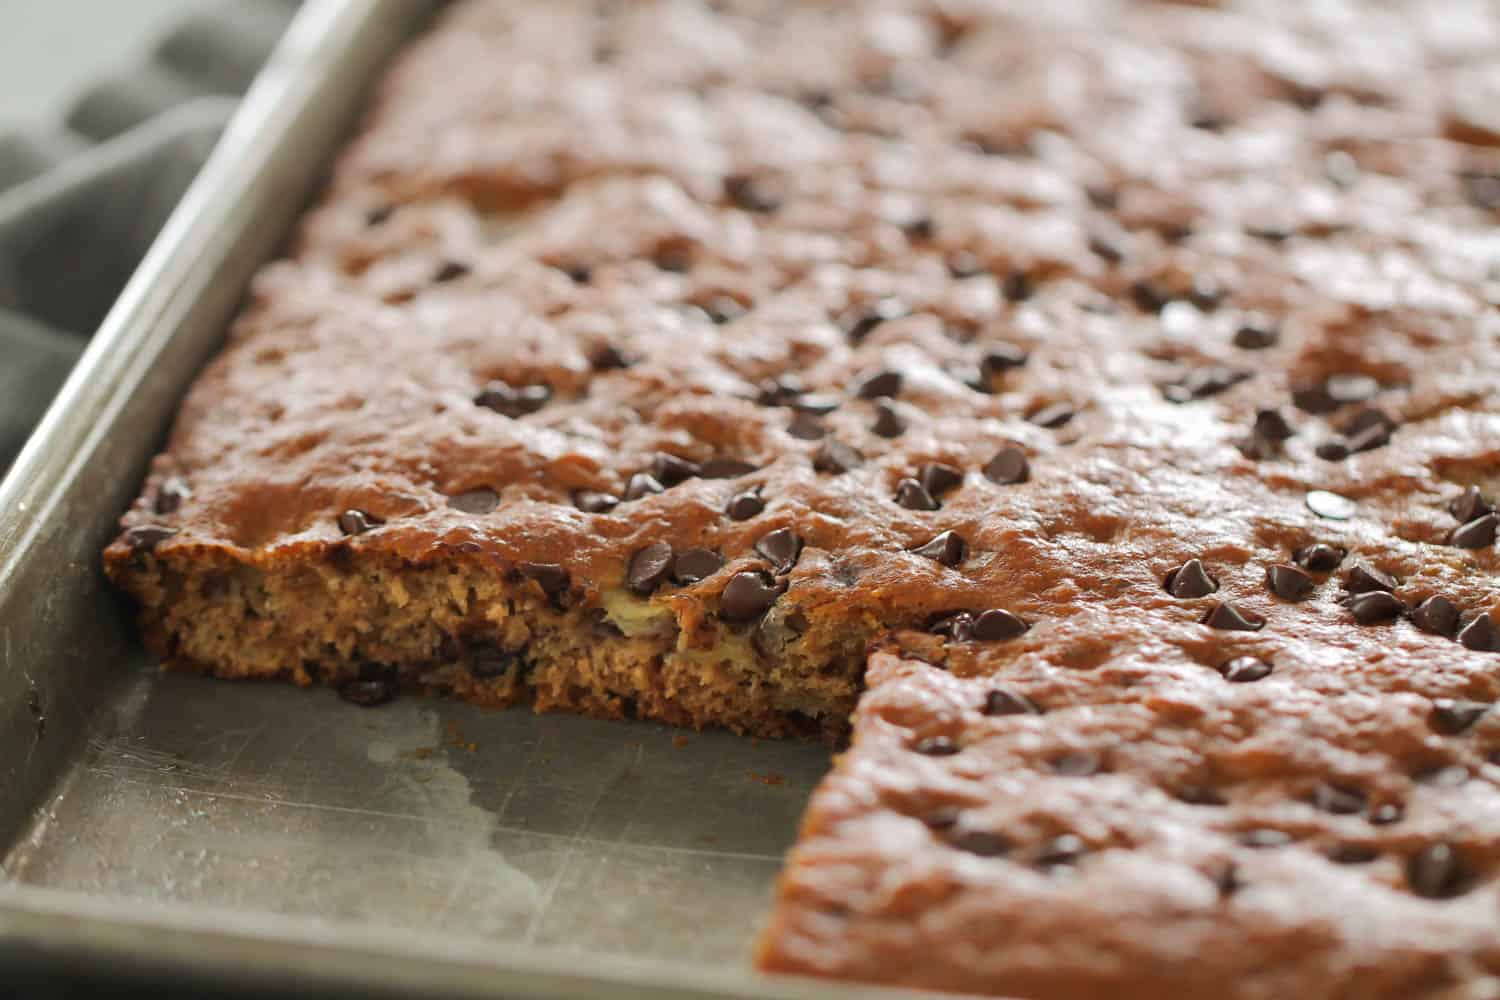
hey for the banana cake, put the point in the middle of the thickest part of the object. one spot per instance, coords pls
(1090, 409)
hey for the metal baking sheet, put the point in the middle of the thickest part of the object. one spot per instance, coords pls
(194, 831)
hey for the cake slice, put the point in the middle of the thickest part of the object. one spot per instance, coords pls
(1126, 376)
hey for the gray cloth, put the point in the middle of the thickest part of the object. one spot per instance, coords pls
(82, 198)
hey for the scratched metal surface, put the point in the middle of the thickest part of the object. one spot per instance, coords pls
(564, 832)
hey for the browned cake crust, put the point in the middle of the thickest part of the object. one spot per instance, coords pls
(1128, 374)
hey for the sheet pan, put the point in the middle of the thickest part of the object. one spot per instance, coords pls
(177, 829)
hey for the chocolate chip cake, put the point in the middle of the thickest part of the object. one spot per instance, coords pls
(1105, 397)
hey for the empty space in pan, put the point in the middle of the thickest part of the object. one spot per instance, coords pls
(423, 814)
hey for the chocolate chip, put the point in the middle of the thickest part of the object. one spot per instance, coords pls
(806, 426)
(1437, 615)
(1332, 450)
(883, 383)
(779, 391)
(1053, 416)
(743, 506)
(780, 548)
(748, 595)
(1436, 872)
(669, 470)
(815, 98)
(1245, 669)
(488, 661)
(642, 484)
(997, 625)
(919, 227)
(1064, 849)
(1313, 399)
(1149, 296)
(723, 308)
(1201, 116)
(1004, 701)
(857, 324)
(579, 274)
(982, 843)
(1466, 507)
(1339, 800)
(1368, 439)
(1476, 534)
(1108, 244)
(368, 693)
(911, 495)
(937, 478)
(1256, 333)
(173, 491)
(1228, 616)
(888, 423)
(649, 568)
(941, 819)
(506, 399)
(936, 746)
(1189, 580)
(776, 631)
(594, 502)
(1265, 838)
(947, 548)
(1387, 813)
(1353, 388)
(551, 577)
(1330, 505)
(1481, 190)
(450, 270)
(1205, 292)
(1375, 606)
(147, 537)
(1271, 232)
(1199, 795)
(692, 565)
(1367, 419)
(1203, 383)
(835, 458)
(1271, 425)
(608, 357)
(1008, 466)
(1228, 880)
(357, 522)
(674, 257)
(1352, 854)
(1002, 358)
(958, 627)
(1481, 634)
(725, 468)
(1105, 199)
(749, 194)
(969, 376)
(379, 214)
(1017, 286)
(1319, 557)
(1258, 449)
(1076, 764)
(1288, 582)
(476, 501)
(1364, 578)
